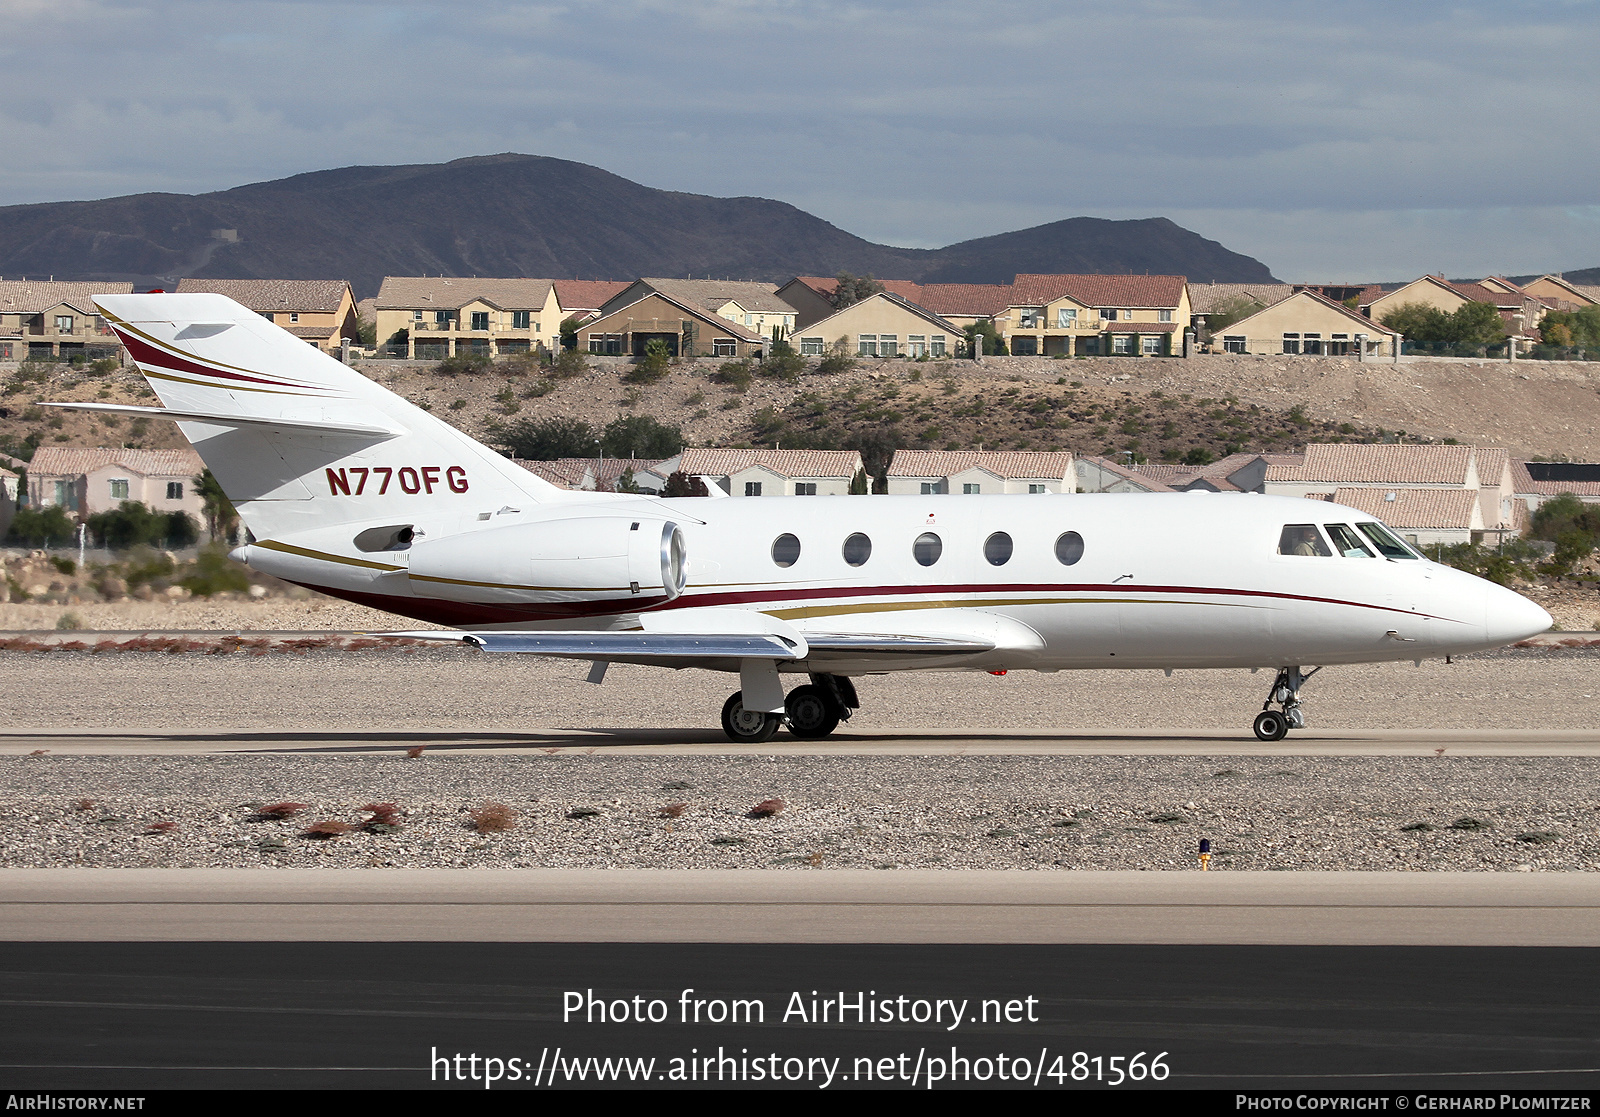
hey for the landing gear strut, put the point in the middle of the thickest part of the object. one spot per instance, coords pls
(812, 711)
(1270, 724)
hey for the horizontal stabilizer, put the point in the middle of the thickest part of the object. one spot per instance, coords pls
(621, 645)
(313, 426)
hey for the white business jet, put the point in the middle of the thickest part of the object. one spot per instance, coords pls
(350, 490)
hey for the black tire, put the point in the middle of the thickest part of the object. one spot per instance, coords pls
(1271, 725)
(742, 726)
(811, 712)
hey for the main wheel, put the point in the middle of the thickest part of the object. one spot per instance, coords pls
(748, 727)
(1271, 725)
(811, 712)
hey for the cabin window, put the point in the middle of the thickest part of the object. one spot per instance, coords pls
(1347, 542)
(1304, 540)
(1388, 546)
(997, 549)
(1069, 548)
(927, 549)
(785, 550)
(857, 549)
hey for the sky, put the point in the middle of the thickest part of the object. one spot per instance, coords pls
(1335, 142)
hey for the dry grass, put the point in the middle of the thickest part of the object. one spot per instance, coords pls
(38, 752)
(674, 810)
(279, 811)
(385, 818)
(415, 752)
(327, 828)
(767, 808)
(161, 828)
(493, 818)
(84, 805)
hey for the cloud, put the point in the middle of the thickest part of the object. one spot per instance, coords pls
(911, 123)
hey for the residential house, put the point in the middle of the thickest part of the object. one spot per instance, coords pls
(1207, 300)
(978, 472)
(754, 306)
(321, 312)
(1102, 475)
(686, 330)
(84, 481)
(1485, 471)
(1421, 516)
(1307, 324)
(1557, 292)
(1080, 315)
(439, 317)
(881, 325)
(56, 321)
(1520, 310)
(769, 472)
(1537, 482)
(597, 474)
(1236, 473)
(812, 296)
(581, 299)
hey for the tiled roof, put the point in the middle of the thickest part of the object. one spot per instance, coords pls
(73, 461)
(588, 294)
(1206, 297)
(1522, 482)
(1491, 462)
(1144, 291)
(964, 299)
(557, 473)
(313, 333)
(707, 462)
(30, 296)
(714, 293)
(914, 308)
(1384, 465)
(825, 286)
(320, 295)
(404, 292)
(1002, 463)
(1366, 324)
(1182, 476)
(1413, 508)
(710, 318)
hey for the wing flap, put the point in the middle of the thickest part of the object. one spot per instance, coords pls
(683, 648)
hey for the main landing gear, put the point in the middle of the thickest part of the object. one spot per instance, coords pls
(811, 711)
(1272, 725)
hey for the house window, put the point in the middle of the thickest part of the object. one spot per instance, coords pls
(441, 318)
(811, 347)
(1123, 343)
(1037, 489)
(749, 320)
(520, 319)
(1233, 343)
(1066, 318)
(936, 345)
(1291, 343)
(1152, 344)
(916, 345)
(724, 347)
(1108, 314)
(119, 488)
(480, 319)
(930, 488)
(1163, 316)
(64, 494)
(971, 490)
(64, 323)
(867, 345)
(752, 488)
(416, 316)
(294, 316)
(1311, 344)
(174, 490)
(1024, 346)
(887, 344)
(267, 314)
(805, 488)
(1029, 317)
(608, 344)
(1338, 345)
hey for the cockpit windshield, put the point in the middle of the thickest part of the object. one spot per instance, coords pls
(1302, 539)
(1347, 542)
(1388, 546)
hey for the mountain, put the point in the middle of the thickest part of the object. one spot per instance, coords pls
(537, 216)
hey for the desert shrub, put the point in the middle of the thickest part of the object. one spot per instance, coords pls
(493, 818)
(736, 374)
(654, 365)
(132, 524)
(767, 808)
(41, 527)
(783, 363)
(640, 436)
(463, 363)
(327, 828)
(548, 439)
(835, 363)
(279, 810)
(213, 572)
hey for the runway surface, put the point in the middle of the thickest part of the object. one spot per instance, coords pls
(846, 742)
(823, 906)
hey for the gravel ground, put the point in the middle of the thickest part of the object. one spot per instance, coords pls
(458, 688)
(1462, 814)
(847, 811)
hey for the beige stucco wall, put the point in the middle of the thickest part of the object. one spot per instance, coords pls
(655, 314)
(544, 327)
(1302, 314)
(1421, 291)
(876, 316)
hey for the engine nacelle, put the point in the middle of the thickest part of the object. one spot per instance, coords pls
(591, 558)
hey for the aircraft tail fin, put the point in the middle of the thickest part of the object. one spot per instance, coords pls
(297, 439)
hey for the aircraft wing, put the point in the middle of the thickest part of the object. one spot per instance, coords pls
(702, 649)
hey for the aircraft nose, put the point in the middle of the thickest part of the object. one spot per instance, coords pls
(1511, 617)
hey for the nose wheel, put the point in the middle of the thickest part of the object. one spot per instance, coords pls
(1274, 725)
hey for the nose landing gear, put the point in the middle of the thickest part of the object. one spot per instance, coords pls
(1270, 724)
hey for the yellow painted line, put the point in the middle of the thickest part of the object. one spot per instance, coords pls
(507, 586)
(303, 552)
